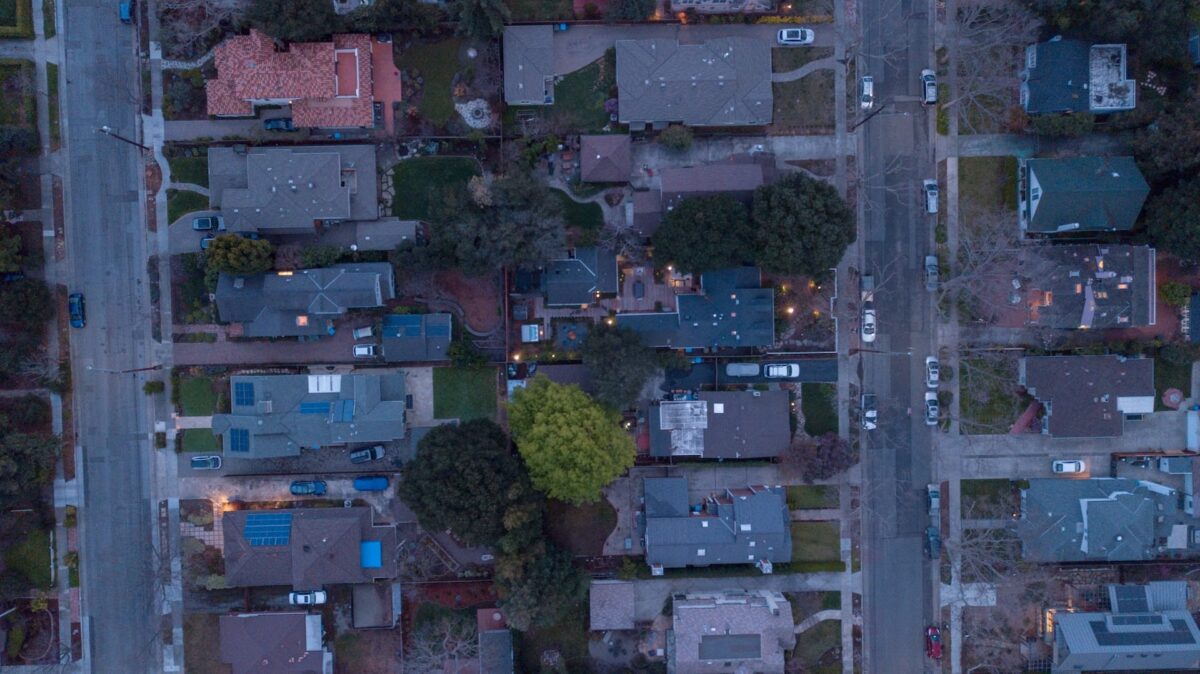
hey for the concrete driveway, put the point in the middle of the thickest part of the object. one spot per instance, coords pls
(184, 239)
(274, 488)
(650, 595)
(336, 348)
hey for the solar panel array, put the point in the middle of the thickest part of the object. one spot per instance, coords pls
(239, 440)
(1137, 619)
(404, 325)
(344, 411)
(314, 408)
(243, 393)
(268, 529)
(1131, 599)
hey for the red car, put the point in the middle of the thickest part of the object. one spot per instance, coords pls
(933, 642)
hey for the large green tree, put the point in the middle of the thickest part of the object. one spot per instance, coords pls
(481, 19)
(295, 20)
(802, 226)
(465, 479)
(1172, 144)
(1157, 29)
(518, 222)
(26, 459)
(549, 587)
(618, 362)
(234, 254)
(26, 301)
(703, 234)
(1174, 220)
(572, 446)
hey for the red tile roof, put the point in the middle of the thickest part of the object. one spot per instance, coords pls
(328, 83)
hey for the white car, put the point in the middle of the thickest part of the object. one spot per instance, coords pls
(930, 188)
(932, 409)
(933, 372)
(929, 92)
(866, 92)
(791, 37)
(783, 371)
(364, 350)
(1067, 467)
(310, 598)
(868, 323)
(870, 412)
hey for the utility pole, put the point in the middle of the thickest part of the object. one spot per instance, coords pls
(108, 130)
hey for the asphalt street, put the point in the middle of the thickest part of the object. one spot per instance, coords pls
(896, 154)
(107, 261)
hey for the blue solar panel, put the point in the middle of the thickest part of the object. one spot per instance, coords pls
(239, 440)
(314, 408)
(434, 330)
(345, 411)
(267, 529)
(243, 393)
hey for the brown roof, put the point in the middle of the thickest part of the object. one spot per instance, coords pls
(272, 643)
(605, 159)
(738, 177)
(322, 547)
(1088, 396)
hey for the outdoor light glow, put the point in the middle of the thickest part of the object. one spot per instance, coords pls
(791, 310)
(516, 357)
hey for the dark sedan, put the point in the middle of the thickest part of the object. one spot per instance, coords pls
(308, 488)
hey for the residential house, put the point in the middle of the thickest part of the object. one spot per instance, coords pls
(280, 414)
(1080, 194)
(732, 310)
(1073, 76)
(721, 82)
(495, 642)
(722, 425)
(1089, 286)
(327, 84)
(273, 643)
(1088, 396)
(307, 548)
(1103, 520)
(738, 526)
(730, 631)
(737, 177)
(302, 303)
(605, 159)
(416, 338)
(1150, 628)
(610, 605)
(529, 65)
(581, 278)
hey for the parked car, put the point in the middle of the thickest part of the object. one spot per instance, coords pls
(933, 642)
(931, 273)
(933, 542)
(783, 371)
(866, 92)
(310, 598)
(308, 488)
(367, 454)
(363, 332)
(279, 124)
(933, 372)
(932, 409)
(792, 37)
(1067, 467)
(206, 241)
(929, 89)
(77, 310)
(930, 188)
(364, 350)
(870, 412)
(868, 323)
(208, 223)
(742, 369)
(935, 500)
(866, 286)
(206, 462)
(371, 483)
(125, 11)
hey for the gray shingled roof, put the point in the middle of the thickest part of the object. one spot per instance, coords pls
(286, 189)
(731, 311)
(1059, 79)
(1092, 286)
(1088, 396)
(1081, 194)
(610, 605)
(715, 632)
(725, 425)
(278, 415)
(291, 304)
(272, 643)
(417, 338)
(575, 280)
(723, 82)
(529, 65)
(1152, 637)
(605, 159)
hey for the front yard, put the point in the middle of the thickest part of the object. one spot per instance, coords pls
(464, 393)
(197, 396)
(17, 81)
(819, 405)
(191, 170)
(421, 182)
(990, 403)
(201, 635)
(816, 546)
(31, 559)
(807, 103)
(182, 202)
(987, 183)
(990, 499)
(814, 496)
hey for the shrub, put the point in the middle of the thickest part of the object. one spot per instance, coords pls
(153, 387)
(1175, 294)
(676, 137)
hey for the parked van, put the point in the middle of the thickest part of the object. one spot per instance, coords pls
(742, 370)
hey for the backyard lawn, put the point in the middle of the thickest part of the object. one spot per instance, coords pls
(193, 170)
(421, 181)
(587, 217)
(435, 63)
(569, 638)
(818, 404)
(182, 202)
(581, 529)
(31, 557)
(1168, 375)
(816, 542)
(987, 183)
(197, 397)
(801, 497)
(464, 393)
(578, 98)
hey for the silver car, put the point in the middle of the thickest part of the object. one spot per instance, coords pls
(929, 89)
(783, 371)
(932, 409)
(790, 37)
(866, 92)
(931, 273)
(933, 372)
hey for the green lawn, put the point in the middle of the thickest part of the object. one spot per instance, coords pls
(197, 397)
(422, 181)
(816, 542)
(578, 99)
(464, 393)
(52, 86)
(818, 649)
(1168, 375)
(785, 59)
(182, 202)
(16, 19)
(201, 632)
(581, 529)
(587, 217)
(435, 63)
(817, 402)
(801, 497)
(540, 10)
(200, 440)
(31, 557)
(18, 82)
(8, 12)
(193, 170)
(569, 638)
(806, 103)
(987, 183)
(989, 404)
(48, 26)
(987, 499)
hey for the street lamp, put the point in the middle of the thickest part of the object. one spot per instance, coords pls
(92, 368)
(108, 130)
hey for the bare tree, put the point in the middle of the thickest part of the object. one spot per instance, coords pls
(989, 383)
(187, 26)
(449, 638)
(987, 42)
(624, 241)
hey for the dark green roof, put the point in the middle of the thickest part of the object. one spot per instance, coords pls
(1058, 82)
(1090, 194)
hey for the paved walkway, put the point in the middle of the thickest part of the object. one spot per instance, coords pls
(190, 187)
(785, 148)
(812, 620)
(650, 595)
(810, 67)
(182, 423)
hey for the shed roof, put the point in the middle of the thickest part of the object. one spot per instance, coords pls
(611, 605)
(605, 159)
(529, 65)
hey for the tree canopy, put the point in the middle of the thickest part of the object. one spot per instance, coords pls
(294, 20)
(514, 221)
(1174, 217)
(572, 447)
(10, 250)
(26, 301)
(1157, 29)
(676, 137)
(803, 226)
(704, 233)
(1172, 145)
(549, 586)
(26, 459)
(481, 19)
(316, 257)
(618, 362)
(632, 10)
(234, 254)
(820, 458)
(464, 479)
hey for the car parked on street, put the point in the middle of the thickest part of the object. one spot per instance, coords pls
(279, 124)
(866, 92)
(870, 412)
(367, 454)
(742, 369)
(783, 370)
(934, 492)
(929, 88)
(930, 188)
(933, 542)
(931, 273)
(308, 488)
(933, 642)
(310, 598)
(794, 37)
(868, 323)
(208, 223)
(77, 310)
(212, 462)
(1067, 467)
(371, 483)
(932, 409)
(933, 372)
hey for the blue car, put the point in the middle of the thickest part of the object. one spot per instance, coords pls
(308, 488)
(77, 311)
(371, 483)
(279, 124)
